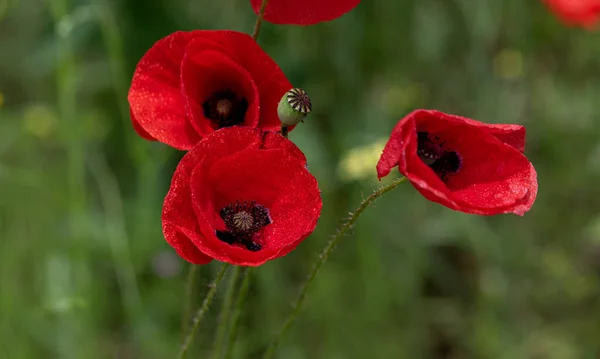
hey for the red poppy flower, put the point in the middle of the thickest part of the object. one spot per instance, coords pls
(304, 12)
(576, 12)
(190, 84)
(242, 196)
(462, 164)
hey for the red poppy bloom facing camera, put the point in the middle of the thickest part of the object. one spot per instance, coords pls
(304, 12)
(242, 196)
(190, 84)
(585, 13)
(463, 164)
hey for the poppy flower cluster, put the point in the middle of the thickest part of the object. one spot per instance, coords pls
(584, 13)
(243, 193)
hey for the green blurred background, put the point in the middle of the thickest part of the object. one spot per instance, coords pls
(85, 271)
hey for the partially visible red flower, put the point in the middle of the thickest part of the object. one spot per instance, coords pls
(584, 13)
(304, 12)
(190, 84)
(463, 164)
(242, 196)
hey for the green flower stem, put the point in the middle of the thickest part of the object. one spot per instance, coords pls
(237, 313)
(346, 226)
(190, 290)
(259, 19)
(202, 311)
(225, 313)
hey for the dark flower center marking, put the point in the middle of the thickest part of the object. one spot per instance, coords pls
(434, 153)
(225, 108)
(243, 221)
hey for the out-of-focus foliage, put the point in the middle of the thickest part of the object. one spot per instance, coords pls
(85, 272)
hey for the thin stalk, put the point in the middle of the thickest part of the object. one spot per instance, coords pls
(190, 290)
(237, 313)
(346, 226)
(259, 19)
(116, 233)
(225, 313)
(185, 347)
(66, 93)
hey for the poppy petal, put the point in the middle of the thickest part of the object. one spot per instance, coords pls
(237, 164)
(266, 74)
(275, 180)
(585, 13)
(493, 176)
(304, 12)
(155, 97)
(204, 73)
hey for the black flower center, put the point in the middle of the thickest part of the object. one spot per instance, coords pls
(225, 108)
(434, 153)
(243, 221)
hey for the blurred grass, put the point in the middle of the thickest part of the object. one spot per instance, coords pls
(85, 272)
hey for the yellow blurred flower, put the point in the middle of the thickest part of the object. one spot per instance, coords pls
(39, 120)
(508, 64)
(396, 99)
(360, 162)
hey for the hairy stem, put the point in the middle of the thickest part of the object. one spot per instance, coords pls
(259, 19)
(185, 347)
(190, 290)
(225, 313)
(237, 313)
(346, 226)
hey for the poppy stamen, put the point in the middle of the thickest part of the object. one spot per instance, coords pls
(243, 221)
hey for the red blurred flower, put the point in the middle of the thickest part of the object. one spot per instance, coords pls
(463, 164)
(242, 196)
(576, 12)
(190, 84)
(304, 12)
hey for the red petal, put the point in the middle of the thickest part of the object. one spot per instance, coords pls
(230, 140)
(155, 97)
(272, 178)
(206, 72)
(585, 13)
(304, 12)
(274, 140)
(266, 74)
(180, 240)
(512, 135)
(494, 178)
(138, 128)
(178, 214)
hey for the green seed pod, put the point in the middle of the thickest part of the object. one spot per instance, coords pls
(293, 107)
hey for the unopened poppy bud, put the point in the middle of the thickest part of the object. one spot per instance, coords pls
(293, 107)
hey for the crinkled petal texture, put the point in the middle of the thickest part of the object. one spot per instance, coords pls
(494, 177)
(584, 13)
(240, 164)
(304, 12)
(182, 71)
